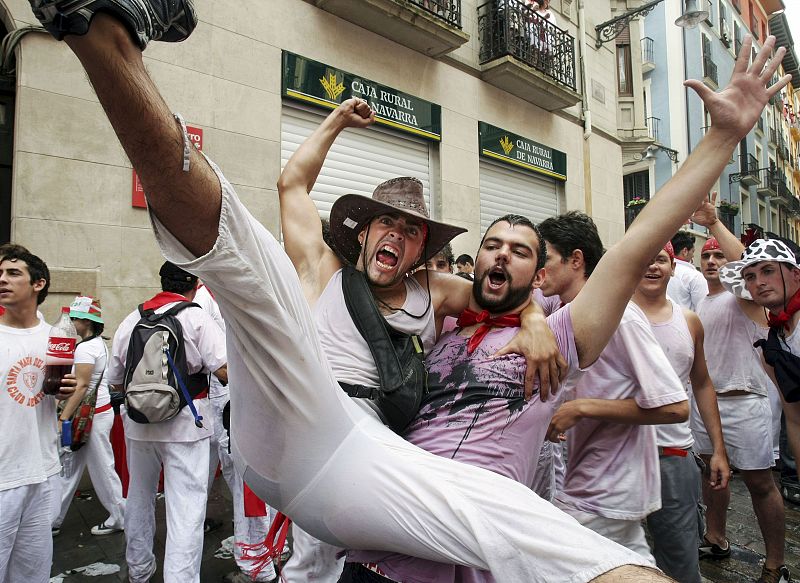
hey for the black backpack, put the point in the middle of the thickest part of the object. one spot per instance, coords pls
(785, 364)
(157, 383)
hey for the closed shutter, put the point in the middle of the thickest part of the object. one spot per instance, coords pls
(359, 159)
(509, 191)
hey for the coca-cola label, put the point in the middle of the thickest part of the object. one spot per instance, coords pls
(61, 347)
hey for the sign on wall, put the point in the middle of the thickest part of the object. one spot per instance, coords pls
(510, 148)
(320, 84)
(137, 194)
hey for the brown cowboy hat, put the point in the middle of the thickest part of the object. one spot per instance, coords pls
(351, 212)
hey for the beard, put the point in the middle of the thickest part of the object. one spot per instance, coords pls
(513, 298)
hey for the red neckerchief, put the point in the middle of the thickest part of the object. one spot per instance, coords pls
(782, 319)
(162, 299)
(470, 318)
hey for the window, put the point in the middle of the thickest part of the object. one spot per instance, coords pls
(747, 216)
(709, 66)
(759, 154)
(738, 5)
(755, 26)
(724, 35)
(624, 70)
(737, 37)
(635, 185)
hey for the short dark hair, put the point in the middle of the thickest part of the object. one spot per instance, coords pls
(177, 287)
(9, 247)
(513, 220)
(37, 269)
(465, 259)
(447, 254)
(682, 240)
(571, 231)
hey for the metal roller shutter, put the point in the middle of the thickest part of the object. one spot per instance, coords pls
(359, 160)
(505, 190)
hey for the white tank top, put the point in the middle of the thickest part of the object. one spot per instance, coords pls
(346, 349)
(676, 342)
(733, 363)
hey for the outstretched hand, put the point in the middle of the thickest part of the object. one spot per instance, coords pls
(706, 213)
(738, 106)
(355, 113)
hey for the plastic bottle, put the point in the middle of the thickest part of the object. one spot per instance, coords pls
(60, 353)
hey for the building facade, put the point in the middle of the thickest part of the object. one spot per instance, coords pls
(757, 190)
(496, 109)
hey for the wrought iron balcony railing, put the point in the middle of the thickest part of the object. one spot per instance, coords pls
(648, 50)
(653, 127)
(511, 28)
(447, 10)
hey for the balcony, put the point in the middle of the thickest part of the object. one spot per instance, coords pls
(749, 171)
(648, 54)
(784, 194)
(432, 27)
(710, 70)
(768, 182)
(524, 54)
(653, 127)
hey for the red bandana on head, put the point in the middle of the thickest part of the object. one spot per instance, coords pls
(710, 245)
(670, 250)
(782, 319)
(470, 318)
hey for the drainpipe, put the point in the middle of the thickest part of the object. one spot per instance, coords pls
(585, 111)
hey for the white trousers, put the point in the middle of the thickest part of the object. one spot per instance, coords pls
(185, 493)
(312, 452)
(628, 533)
(98, 457)
(26, 543)
(312, 560)
(246, 530)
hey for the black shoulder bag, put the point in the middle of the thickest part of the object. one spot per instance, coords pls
(785, 364)
(398, 356)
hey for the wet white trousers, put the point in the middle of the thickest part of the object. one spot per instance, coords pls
(185, 495)
(26, 541)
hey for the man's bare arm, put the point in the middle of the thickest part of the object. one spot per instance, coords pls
(300, 222)
(597, 309)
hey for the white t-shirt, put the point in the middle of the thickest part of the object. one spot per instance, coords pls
(205, 300)
(204, 345)
(29, 447)
(612, 468)
(688, 286)
(94, 352)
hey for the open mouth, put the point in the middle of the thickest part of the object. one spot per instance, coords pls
(387, 257)
(652, 276)
(496, 278)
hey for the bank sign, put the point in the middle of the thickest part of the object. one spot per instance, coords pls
(498, 144)
(323, 85)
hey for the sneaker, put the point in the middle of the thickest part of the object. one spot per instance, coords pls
(711, 551)
(102, 529)
(55, 531)
(165, 20)
(209, 525)
(779, 575)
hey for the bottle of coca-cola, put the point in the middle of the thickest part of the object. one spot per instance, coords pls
(60, 353)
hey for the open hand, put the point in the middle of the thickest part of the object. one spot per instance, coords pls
(737, 107)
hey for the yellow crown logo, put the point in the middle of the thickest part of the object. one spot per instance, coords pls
(506, 144)
(332, 86)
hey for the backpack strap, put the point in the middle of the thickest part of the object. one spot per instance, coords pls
(373, 327)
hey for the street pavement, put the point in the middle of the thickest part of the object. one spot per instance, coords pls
(76, 548)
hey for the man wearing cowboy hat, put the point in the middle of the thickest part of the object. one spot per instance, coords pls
(299, 441)
(386, 237)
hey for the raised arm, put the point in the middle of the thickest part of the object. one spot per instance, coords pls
(597, 309)
(706, 215)
(706, 398)
(300, 222)
(732, 248)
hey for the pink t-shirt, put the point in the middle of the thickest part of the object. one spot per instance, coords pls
(475, 413)
(612, 468)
